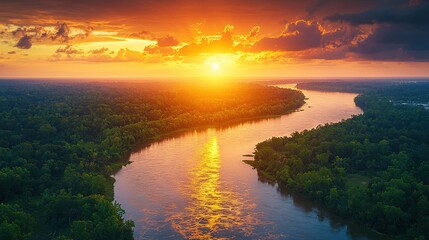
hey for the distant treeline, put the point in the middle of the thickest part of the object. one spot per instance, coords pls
(393, 91)
(372, 168)
(61, 142)
(352, 87)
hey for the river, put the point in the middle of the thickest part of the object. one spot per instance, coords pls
(196, 186)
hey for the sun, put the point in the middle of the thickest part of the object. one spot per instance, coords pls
(215, 66)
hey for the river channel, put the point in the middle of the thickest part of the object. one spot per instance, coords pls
(196, 186)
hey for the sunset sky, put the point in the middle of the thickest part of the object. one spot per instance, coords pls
(223, 38)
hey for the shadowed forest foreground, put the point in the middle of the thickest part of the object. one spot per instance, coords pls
(61, 142)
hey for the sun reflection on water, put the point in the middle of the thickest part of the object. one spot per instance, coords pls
(213, 211)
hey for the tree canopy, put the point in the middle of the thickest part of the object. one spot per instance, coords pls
(60, 142)
(372, 168)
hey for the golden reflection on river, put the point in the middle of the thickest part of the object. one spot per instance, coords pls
(213, 211)
(195, 186)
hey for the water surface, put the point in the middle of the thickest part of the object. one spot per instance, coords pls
(195, 186)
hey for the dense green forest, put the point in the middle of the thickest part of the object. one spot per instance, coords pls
(372, 168)
(368, 86)
(60, 142)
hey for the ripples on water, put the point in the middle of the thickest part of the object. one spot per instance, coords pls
(213, 210)
(196, 186)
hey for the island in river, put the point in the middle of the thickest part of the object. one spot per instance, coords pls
(372, 168)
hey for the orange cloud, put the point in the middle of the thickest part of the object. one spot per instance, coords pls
(224, 44)
(167, 41)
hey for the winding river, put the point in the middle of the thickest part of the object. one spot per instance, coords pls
(195, 186)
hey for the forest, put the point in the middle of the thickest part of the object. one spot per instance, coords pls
(60, 143)
(372, 168)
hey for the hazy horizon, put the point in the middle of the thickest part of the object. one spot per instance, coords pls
(232, 80)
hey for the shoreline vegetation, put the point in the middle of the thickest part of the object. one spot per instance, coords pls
(177, 133)
(60, 143)
(372, 168)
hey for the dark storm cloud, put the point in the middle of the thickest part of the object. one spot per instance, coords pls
(401, 32)
(299, 35)
(412, 15)
(395, 42)
(24, 42)
(399, 27)
(316, 6)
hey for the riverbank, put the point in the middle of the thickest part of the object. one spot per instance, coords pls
(117, 166)
(60, 143)
(369, 169)
(170, 170)
(176, 133)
